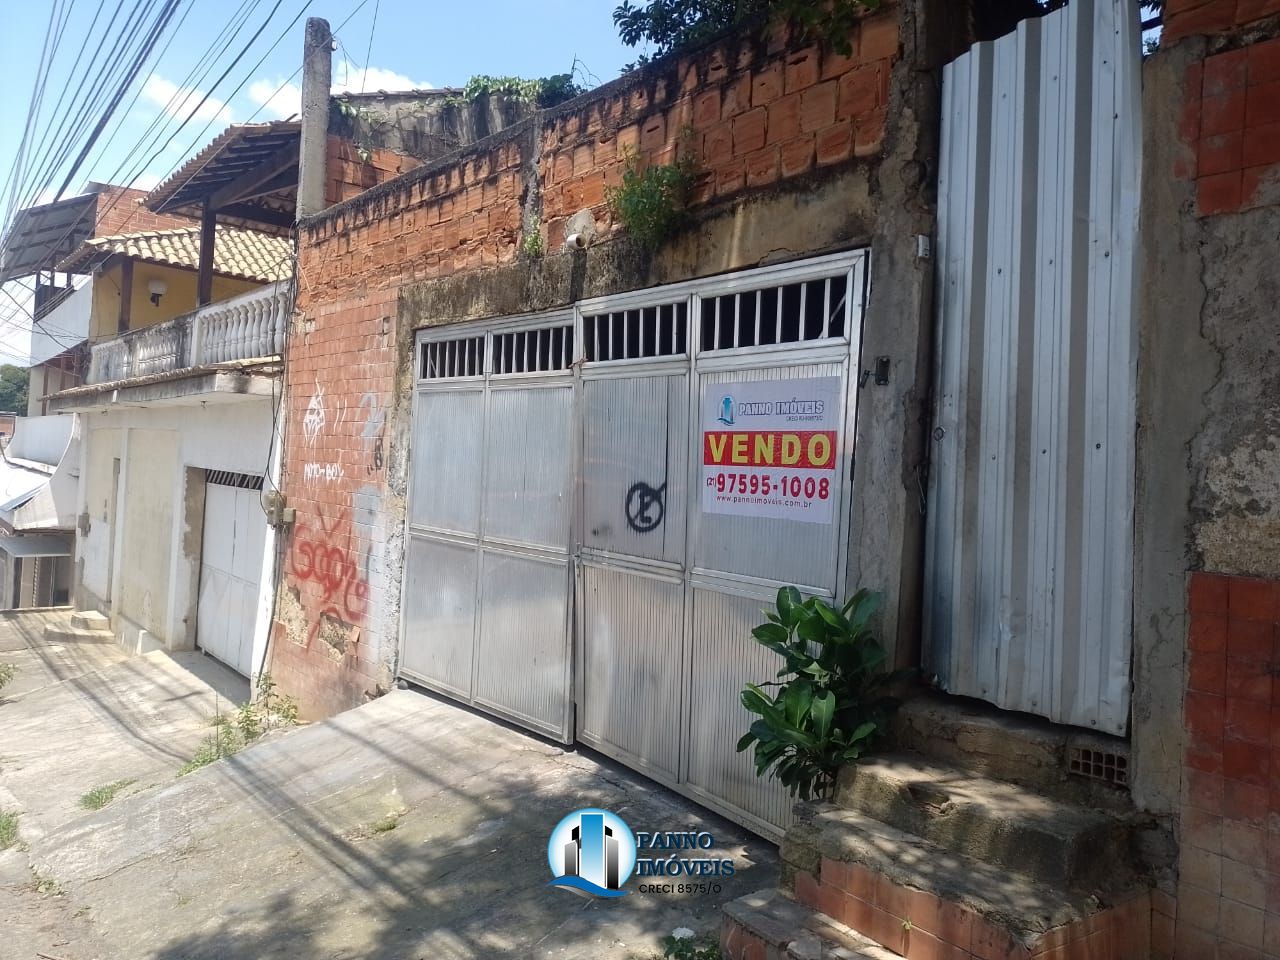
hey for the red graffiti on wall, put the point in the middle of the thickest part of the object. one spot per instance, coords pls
(321, 558)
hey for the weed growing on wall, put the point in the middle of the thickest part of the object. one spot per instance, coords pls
(7, 672)
(831, 703)
(653, 199)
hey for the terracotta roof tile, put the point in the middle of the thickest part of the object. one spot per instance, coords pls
(246, 254)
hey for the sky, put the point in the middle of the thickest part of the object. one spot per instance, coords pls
(405, 44)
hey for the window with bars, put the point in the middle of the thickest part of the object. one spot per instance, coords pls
(226, 478)
(444, 359)
(543, 350)
(659, 331)
(790, 313)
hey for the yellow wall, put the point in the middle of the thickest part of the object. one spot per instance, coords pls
(180, 297)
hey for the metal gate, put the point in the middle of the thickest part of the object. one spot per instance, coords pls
(1030, 531)
(235, 532)
(486, 601)
(667, 586)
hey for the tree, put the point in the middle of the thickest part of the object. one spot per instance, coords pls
(13, 389)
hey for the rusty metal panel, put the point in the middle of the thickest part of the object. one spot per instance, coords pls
(1030, 531)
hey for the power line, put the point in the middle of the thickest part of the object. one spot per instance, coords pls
(364, 77)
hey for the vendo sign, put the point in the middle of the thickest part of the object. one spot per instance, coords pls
(769, 448)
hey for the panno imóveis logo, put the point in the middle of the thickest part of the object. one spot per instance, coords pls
(592, 850)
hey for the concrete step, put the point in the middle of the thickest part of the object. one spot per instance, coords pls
(65, 633)
(1017, 748)
(900, 889)
(994, 821)
(91, 620)
(767, 924)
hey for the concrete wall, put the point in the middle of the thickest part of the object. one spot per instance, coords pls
(1207, 569)
(163, 453)
(801, 151)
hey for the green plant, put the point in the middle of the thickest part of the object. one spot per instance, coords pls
(99, 797)
(683, 944)
(831, 703)
(542, 92)
(533, 244)
(8, 829)
(268, 710)
(7, 672)
(652, 200)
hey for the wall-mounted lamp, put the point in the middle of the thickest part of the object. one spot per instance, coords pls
(158, 289)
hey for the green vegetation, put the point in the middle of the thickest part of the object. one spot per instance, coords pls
(8, 829)
(268, 710)
(543, 92)
(13, 389)
(652, 201)
(670, 25)
(7, 672)
(684, 945)
(832, 706)
(99, 797)
(533, 244)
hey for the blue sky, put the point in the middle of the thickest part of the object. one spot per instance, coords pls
(413, 44)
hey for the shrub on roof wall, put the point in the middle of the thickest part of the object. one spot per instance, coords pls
(831, 704)
(652, 201)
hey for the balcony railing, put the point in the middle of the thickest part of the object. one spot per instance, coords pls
(246, 327)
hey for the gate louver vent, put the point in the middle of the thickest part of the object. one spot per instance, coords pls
(790, 313)
(443, 359)
(226, 478)
(635, 334)
(533, 351)
(1101, 765)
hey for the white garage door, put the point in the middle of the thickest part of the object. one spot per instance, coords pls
(235, 532)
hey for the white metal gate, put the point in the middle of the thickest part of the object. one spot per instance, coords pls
(1030, 531)
(665, 594)
(235, 532)
(486, 601)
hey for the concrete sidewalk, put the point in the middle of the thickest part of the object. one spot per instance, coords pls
(409, 828)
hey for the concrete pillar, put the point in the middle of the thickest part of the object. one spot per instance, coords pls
(317, 73)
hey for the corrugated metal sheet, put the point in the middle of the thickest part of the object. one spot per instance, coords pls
(1030, 533)
(633, 663)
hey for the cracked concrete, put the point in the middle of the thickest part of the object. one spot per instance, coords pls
(408, 827)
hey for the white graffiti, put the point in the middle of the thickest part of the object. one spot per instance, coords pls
(323, 472)
(314, 419)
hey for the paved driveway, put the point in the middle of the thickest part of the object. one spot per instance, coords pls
(408, 828)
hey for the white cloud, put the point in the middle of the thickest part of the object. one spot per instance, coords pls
(180, 101)
(350, 78)
(279, 98)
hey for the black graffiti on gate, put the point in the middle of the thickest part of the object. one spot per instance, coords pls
(645, 507)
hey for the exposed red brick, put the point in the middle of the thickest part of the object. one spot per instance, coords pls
(717, 146)
(859, 92)
(869, 133)
(1207, 672)
(1214, 17)
(653, 133)
(1264, 61)
(1260, 185)
(749, 131)
(766, 85)
(762, 167)
(1250, 11)
(797, 156)
(1218, 194)
(802, 70)
(878, 37)
(784, 119)
(1222, 113)
(1224, 72)
(1253, 599)
(736, 97)
(1205, 714)
(731, 178)
(1262, 104)
(834, 143)
(818, 106)
(1207, 593)
(706, 109)
(1220, 154)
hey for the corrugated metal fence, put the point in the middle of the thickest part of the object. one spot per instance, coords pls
(1029, 564)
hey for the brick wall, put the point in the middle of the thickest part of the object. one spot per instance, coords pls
(1231, 126)
(1185, 18)
(1228, 903)
(349, 172)
(120, 210)
(755, 113)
